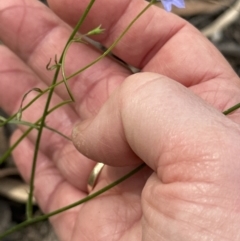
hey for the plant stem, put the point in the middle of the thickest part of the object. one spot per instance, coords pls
(10, 150)
(113, 44)
(42, 123)
(231, 109)
(89, 197)
(87, 66)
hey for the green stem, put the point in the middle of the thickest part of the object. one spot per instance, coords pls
(89, 197)
(56, 84)
(10, 150)
(25, 107)
(231, 109)
(63, 71)
(42, 123)
(84, 68)
(113, 44)
(36, 126)
(58, 132)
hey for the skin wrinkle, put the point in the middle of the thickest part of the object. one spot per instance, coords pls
(201, 230)
(206, 95)
(41, 42)
(222, 86)
(16, 106)
(37, 45)
(118, 233)
(85, 94)
(42, 173)
(151, 207)
(21, 25)
(112, 24)
(106, 148)
(102, 226)
(150, 52)
(109, 37)
(29, 77)
(173, 170)
(156, 48)
(38, 42)
(123, 219)
(80, 141)
(201, 190)
(65, 152)
(155, 207)
(120, 117)
(219, 71)
(88, 97)
(111, 28)
(224, 106)
(69, 225)
(216, 91)
(66, 199)
(192, 202)
(126, 99)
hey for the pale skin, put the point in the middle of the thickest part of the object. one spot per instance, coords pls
(168, 116)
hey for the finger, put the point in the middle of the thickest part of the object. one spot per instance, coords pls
(135, 48)
(192, 148)
(203, 68)
(158, 42)
(158, 121)
(48, 36)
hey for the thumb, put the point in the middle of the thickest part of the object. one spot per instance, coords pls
(193, 149)
(154, 119)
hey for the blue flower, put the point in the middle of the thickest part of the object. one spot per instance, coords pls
(167, 4)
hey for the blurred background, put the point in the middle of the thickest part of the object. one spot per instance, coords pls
(218, 21)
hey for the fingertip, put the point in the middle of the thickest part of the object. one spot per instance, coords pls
(79, 135)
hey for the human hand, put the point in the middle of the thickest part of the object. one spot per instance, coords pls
(159, 42)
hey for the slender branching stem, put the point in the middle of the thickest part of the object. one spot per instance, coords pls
(231, 109)
(42, 122)
(87, 198)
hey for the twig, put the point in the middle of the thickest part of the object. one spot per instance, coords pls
(226, 19)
